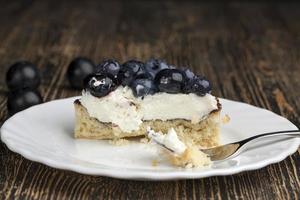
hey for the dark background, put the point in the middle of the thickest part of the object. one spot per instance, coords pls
(249, 51)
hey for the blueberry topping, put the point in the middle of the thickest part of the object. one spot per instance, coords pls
(143, 87)
(189, 74)
(21, 99)
(125, 76)
(145, 78)
(108, 67)
(170, 80)
(78, 69)
(22, 75)
(100, 85)
(145, 75)
(171, 66)
(153, 66)
(198, 85)
(130, 70)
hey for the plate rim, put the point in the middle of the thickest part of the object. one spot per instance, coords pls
(143, 175)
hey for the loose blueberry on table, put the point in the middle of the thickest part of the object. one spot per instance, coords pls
(21, 99)
(23, 79)
(22, 74)
(78, 70)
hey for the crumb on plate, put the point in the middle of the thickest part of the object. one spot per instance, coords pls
(191, 158)
(144, 140)
(155, 163)
(119, 142)
(226, 119)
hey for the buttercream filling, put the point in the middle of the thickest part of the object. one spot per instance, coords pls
(123, 109)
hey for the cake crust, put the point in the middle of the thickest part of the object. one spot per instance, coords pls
(204, 134)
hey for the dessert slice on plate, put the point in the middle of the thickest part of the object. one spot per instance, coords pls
(121, 101)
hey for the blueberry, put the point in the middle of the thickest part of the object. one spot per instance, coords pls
(145, 75)
(143, 87)
(198, 85)
(22, 74)
(100, 85)
(108, 67)
(189, 74)
(170, 80)
(21, 99)
(78, 69)
(153, 66)
(130, 70)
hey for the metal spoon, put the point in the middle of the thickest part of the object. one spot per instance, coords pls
(231, 150)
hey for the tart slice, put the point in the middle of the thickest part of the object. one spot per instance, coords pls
(121, 101)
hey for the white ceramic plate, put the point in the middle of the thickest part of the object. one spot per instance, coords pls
(44, 133)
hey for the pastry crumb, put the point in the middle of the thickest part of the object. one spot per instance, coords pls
(191, 158)
(155, 163)
(119, 142)
(144, 140)
(226, 119)
(189, 166)
(178, 153)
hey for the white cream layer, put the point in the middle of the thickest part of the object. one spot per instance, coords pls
(169, 140)
(120, 107)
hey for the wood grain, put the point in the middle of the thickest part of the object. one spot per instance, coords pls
(250, 51)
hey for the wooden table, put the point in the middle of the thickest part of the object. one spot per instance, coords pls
(250, 51)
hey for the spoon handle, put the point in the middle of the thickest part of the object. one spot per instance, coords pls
(239, 147)
(289, 133)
